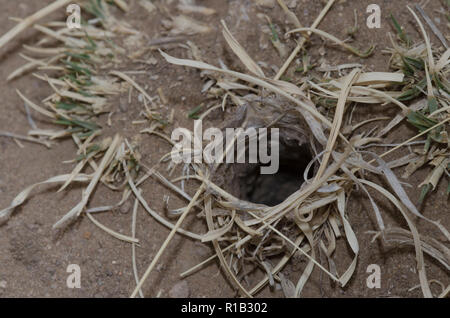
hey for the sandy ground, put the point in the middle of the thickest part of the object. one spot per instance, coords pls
(34, 258)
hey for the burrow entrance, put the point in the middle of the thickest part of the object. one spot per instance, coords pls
(272, 189)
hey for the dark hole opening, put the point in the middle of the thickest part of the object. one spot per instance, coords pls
(272, 189)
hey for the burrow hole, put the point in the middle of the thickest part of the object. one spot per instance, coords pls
(272, 189)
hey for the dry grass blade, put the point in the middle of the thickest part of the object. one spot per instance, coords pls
(122, 5)
(417, 243)
(427, 41)
(432, 247)
(337, 121)
(351, 239)
(111, 232)
(203, 263)
(290, 15)
(280, 264)
(25, 23)
(413, 138)
(445, 293)
(335, 40)
(216, 233)
(36, 107)
(25, 138)
(33, 63)
(303, 40)
(399, 117)
(135, 85)
(154, 213)
(189, 8)
(133, 246)
(22, 196)
(432, 26)
(219, 251)
(240, 52)
(90, 188)
(297, 248)
(167, 241)
(443, 61)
